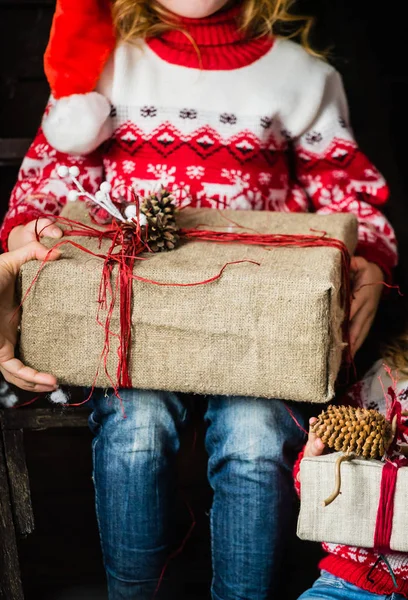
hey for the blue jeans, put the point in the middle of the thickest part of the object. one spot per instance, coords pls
(330, 587)
(251, 445)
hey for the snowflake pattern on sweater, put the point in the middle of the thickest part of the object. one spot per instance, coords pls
(221, 138)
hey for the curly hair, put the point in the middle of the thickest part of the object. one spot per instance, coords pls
(140, 19)
(395, 353)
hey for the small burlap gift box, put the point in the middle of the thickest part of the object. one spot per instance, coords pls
(272, 330)
(351, 518)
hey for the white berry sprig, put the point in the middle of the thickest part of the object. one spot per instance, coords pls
(131, 215)
(101, 198)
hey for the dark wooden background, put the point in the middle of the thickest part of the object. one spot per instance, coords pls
(63, 553)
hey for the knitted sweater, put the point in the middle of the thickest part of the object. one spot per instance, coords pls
(348, 562)
(245, 124)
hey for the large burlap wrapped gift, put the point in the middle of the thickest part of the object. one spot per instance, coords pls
(351, 518)
(272, 330)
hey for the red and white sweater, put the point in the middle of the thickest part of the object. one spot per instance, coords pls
(256, 124)
(348, 562)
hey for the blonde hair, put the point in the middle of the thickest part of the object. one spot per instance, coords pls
(395, 353)
(140, 19)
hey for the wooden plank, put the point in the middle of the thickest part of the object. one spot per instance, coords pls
(10, 577)
(44, 418)
(18, 481)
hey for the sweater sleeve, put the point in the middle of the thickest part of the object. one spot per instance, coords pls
(338, 177)
(39, 191)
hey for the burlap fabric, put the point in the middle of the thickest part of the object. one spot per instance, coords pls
(351, 518)
(272, 330)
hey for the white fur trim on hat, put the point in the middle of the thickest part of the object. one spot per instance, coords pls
(78, 124)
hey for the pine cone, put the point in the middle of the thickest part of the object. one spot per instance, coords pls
(344, 428)
(159, 210)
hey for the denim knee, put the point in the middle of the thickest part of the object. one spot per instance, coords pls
(140, 421)
(136, 439)
(252, 430)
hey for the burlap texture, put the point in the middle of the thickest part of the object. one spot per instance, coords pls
(270, 331)
(351, 518)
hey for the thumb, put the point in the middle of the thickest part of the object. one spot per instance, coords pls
(13, 261)
(315, 446)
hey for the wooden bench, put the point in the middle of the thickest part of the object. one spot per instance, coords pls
(16, 514)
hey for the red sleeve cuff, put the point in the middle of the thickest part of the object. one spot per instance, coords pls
(296, 471)
(14, 221)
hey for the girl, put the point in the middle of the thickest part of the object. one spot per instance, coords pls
(350, 573)
(202, 97)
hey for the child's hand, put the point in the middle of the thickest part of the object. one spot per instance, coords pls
(314, 446)
(12, 369)
(364, 301)
(25, 234)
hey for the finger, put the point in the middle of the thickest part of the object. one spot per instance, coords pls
(358, 268)
(53, 232)
(22, 385)
(29, 387)
(44, 228)
(15, 368)
(353, 264)
(14, 260)
(357, 303)
(355, 326)
(357, 263)
(362, 335)
(363, 313)
(312, 435)
(360, 327)
(315, 448)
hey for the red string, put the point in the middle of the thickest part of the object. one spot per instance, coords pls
(383, 283)
(178, 551)
(196, 283)
(290, 411)
(385, 512)
(26, 403)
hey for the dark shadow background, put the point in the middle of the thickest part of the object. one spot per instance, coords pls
(368, 49)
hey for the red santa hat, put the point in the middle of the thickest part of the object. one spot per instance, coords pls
(82, 39)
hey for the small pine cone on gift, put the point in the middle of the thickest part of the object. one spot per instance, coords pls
(160, 212)
(362, 431)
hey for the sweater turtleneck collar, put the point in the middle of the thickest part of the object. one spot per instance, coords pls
(218, 43)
